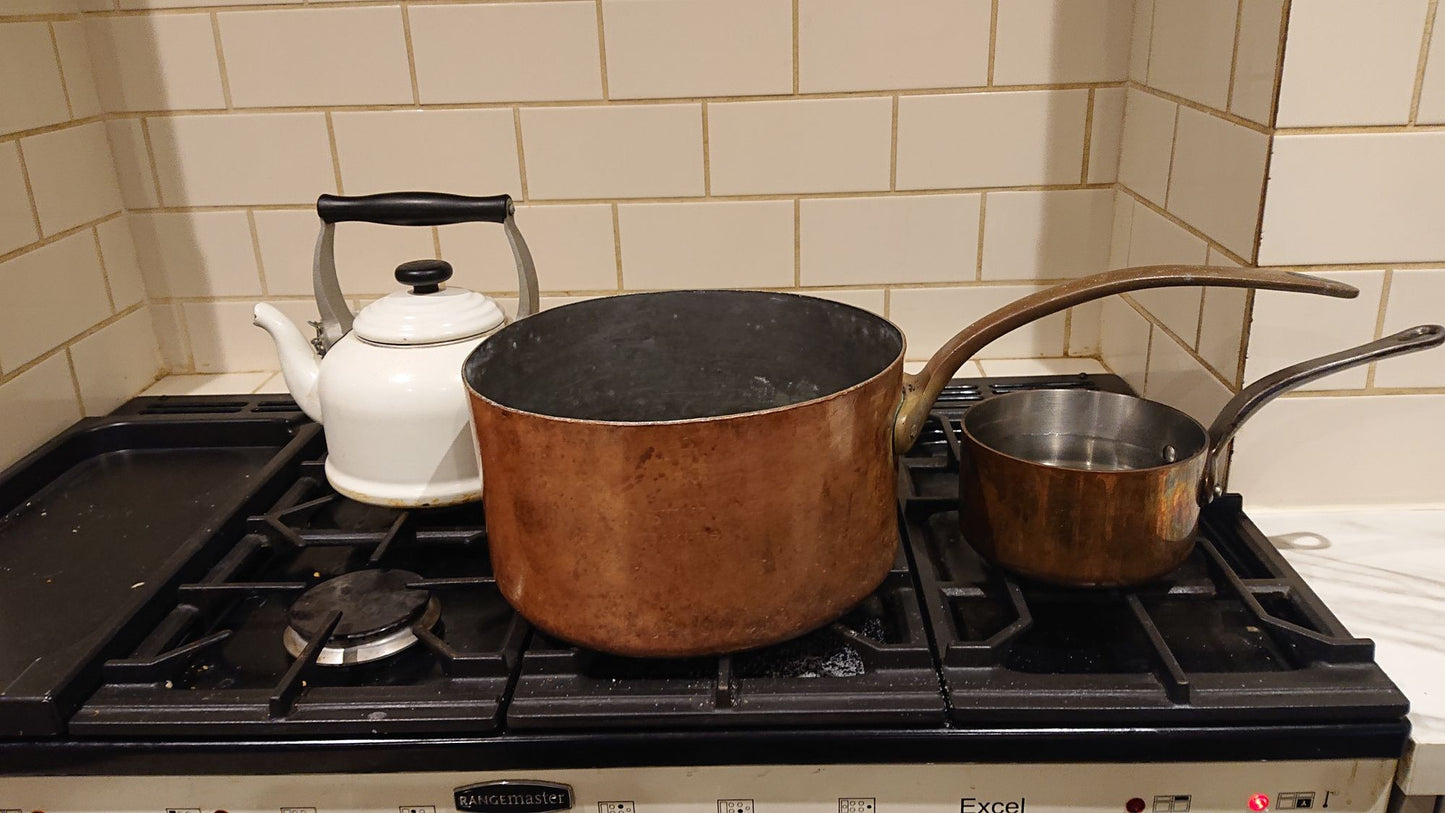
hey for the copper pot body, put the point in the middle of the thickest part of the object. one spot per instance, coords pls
(1077, 527)
(676, 539)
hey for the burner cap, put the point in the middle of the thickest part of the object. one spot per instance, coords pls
(378, 613)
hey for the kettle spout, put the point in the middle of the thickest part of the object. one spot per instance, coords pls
(299, 364)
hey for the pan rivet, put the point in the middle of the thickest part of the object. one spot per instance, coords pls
(1170, 455)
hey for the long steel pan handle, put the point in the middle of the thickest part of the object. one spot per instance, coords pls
(921, 389)
(1249, 400)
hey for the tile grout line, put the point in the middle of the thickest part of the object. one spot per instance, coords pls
(221, 61)
(797, 243)
(1199, 317)
(104, 272)
(992, 37)
(335, 153)
(1279, 66)
(1176, 220)
(1243, 353)
(1089, 136)
(978, 260)
(42, 242)
(796, 64)
(602, 51)
(617, 244)
(74, 378)
(893, 151)
(183, 332)
(29, 196)
(410, 52)
(53, 128)
(1173, 149)
(60, 69)
(145, 134)
(756, 197)
(1420, 66)
(1389, 279)
(256, 251)
(960, 90)
(1234, 54)
(521, 161)
(706, 155)
(1183, 101)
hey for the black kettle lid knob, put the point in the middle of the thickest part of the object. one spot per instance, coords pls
(424, 276)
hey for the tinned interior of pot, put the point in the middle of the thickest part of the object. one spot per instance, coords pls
(680, 355)
(1085, 430)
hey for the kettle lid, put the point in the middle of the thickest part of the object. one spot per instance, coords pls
(429, 313)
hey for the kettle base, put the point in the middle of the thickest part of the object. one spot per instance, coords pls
(390, 495)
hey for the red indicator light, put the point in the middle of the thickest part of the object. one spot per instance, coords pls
(1258, 802)
(1134, 805)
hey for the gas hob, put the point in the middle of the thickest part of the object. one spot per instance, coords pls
(182, 594)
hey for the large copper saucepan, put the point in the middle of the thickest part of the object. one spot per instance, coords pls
(697, 472)
(1098, 489)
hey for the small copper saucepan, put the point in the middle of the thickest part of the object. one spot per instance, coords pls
(1098, 489)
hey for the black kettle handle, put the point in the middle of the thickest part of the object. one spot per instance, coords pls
(414, 208)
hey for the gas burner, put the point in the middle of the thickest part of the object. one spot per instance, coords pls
(379, 616)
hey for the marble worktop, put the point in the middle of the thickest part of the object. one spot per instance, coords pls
(1382, 573)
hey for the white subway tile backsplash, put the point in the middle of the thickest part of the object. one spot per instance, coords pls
(76, 68)
(624, 151)
(1155, 240)
(573, 247)
(1084, 329)
(122, 267)
(1042, 42)
(38, 100)
(1014, 138)
(869, 299)
(1417, 297)
(255, 158)
(51, 294)
(745, 244)
(469, 152)
(1287, 328)
(116, 362)
(196, 254)
(1148, 144)
(223, 338)
(1176, 378)
(155, 62)
(218, 384)
(1119, 234)
(157, 4)
(1290, 454)
(1221, 329)
(1140, 39)
(862, 45)
(331, 56)
(1047, 235)
(697, 47)
(1124, 337)
(1256, 59)
(1217, 181)
(1105, 134)
(17, 222)
(72, 176)
(1357, 197)
(170, 327)
(367, 254)
(931, 316)
(132, 164)
(1432, 90)
(916, 238)
(1002, 368)
(1329, 45)
(1192, 47)
(810, 145)
(476, 52)
(35, 406)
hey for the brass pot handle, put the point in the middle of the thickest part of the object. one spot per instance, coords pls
(921, 389)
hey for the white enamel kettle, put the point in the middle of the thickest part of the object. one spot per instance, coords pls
(386, 383)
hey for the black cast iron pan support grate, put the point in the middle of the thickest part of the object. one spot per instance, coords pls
(1233, 630)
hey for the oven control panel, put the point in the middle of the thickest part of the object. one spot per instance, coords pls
(1326, 786)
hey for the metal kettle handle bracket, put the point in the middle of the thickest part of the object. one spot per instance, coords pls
(1249, 400)
(407, 209)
